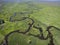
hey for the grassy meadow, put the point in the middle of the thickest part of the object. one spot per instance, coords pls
(42, 14)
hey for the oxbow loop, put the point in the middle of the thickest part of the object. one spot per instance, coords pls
(40, 36)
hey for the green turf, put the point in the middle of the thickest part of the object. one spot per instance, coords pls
(41, 14)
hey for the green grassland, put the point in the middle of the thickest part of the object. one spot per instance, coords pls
(42, 14)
